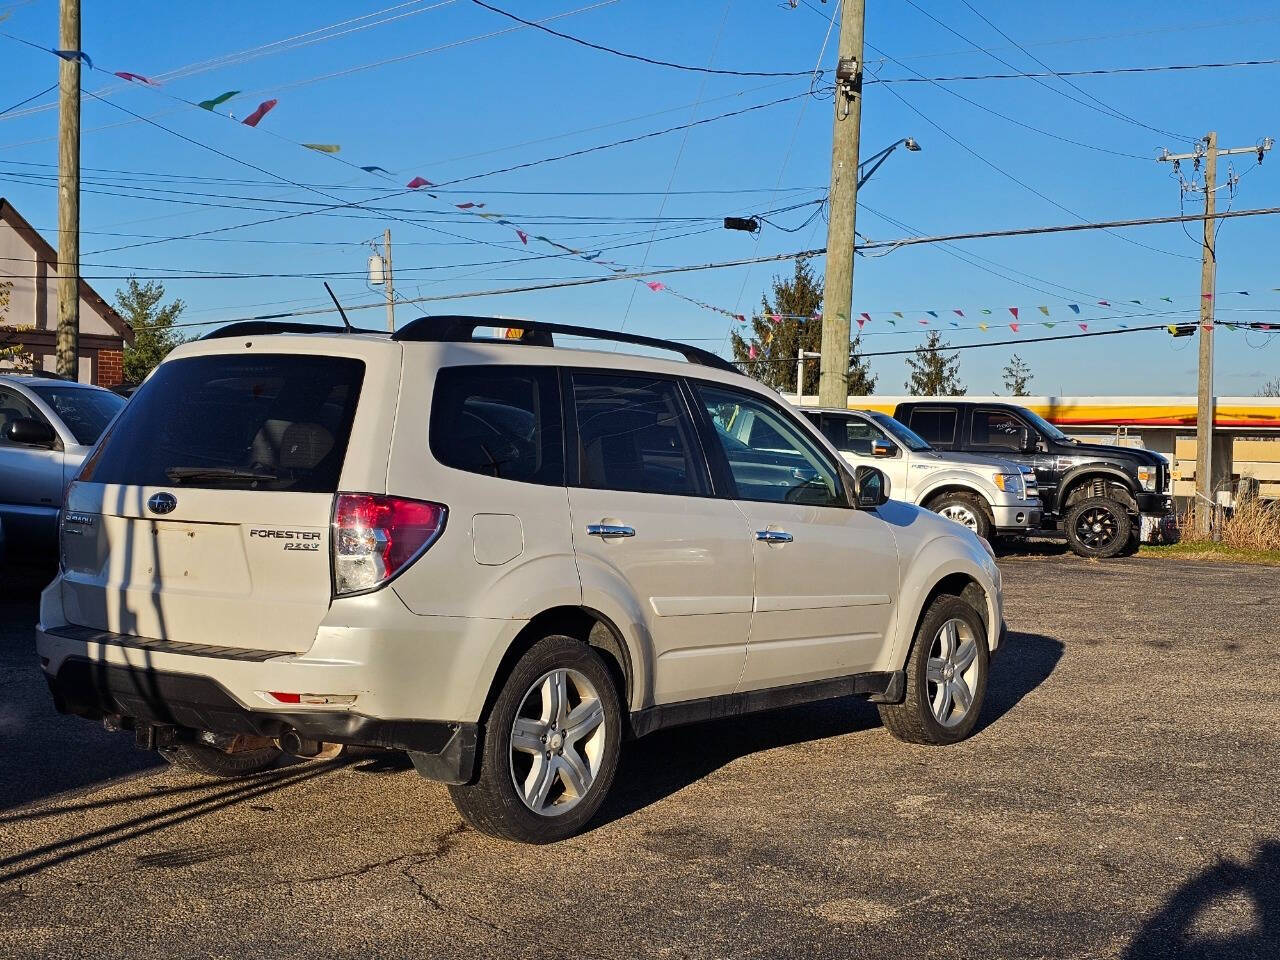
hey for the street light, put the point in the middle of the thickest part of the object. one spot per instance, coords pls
(877, 159)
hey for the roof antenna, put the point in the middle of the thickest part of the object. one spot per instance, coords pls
(345, 322)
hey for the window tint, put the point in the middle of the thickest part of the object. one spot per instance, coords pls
(500, 421)
(14, 406)
(998, 429)
(634, 433)
(852, 434)
(937, 427)
(85, 412)
(788, 468)
(261, 422)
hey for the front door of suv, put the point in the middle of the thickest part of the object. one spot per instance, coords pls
(656, 551)
(826, 574)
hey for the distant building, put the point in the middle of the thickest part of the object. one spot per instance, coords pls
(29, 306)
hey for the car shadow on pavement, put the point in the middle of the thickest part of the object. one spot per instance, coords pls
(1177, 931)
(654, 767)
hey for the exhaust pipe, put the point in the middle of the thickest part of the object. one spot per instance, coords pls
(298, 746)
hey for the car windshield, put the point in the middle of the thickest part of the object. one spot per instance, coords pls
(1045, 427)
(902, 433)
(85, 410)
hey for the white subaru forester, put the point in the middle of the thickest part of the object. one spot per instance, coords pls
(500, 555)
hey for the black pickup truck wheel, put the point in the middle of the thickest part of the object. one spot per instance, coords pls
(1098, 527)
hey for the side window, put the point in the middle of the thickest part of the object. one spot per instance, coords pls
(852, 434)
(937, 426)
(788, 468)
(998, 430)
(635, 433)
(14, 406)
(499, 421)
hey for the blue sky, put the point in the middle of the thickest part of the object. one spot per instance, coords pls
(478, 101)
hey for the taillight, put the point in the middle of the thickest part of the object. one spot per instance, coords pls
(376, 536)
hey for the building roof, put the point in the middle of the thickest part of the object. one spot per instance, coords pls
(44, 251)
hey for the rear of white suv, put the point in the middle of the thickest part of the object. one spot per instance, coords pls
(498, 557)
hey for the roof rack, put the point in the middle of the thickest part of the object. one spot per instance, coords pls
(262, 328)
(461, 329)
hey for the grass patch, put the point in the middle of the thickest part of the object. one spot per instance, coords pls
(1208, 550)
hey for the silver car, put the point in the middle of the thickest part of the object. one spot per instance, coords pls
(47, 427)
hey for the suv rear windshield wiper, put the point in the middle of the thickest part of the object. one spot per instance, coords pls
(221, 475)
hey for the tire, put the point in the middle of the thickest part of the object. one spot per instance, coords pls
(546, 757)
(967, 509)
(211, 762)
(1098, 528)
(951, 635)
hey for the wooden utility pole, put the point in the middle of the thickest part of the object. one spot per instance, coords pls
(68, 342)
(391, 296)
(837, 307)
(1205, 501)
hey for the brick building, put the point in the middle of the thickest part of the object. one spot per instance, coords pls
(29, 306)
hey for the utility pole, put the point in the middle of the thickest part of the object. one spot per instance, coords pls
(391, 296)
(1209, 151)
(837, 307)
(68, 341)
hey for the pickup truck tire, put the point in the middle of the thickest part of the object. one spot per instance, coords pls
(1098, 528)
(209, 760)
(549, 746)
(967, 509)
(947, 665)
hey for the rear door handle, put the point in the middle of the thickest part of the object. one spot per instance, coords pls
(774, 536)
(610, 530)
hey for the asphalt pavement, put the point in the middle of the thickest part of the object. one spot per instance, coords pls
(1119, 800)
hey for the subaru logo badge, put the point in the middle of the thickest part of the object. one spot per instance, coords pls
(162, 503)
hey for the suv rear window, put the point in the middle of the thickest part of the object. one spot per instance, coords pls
(936, 426)
(264, 422)
(499, 421)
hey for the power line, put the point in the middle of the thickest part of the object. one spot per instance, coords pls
(638, 57)
(48, 89)
(1099, 72)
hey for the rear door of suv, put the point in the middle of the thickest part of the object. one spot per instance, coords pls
(203, 516)
(647, 525)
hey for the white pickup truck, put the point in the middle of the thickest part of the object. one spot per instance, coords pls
(990, 496)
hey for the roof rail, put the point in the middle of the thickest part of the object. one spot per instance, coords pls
(455, 329)
(261, 328)
(38, 374)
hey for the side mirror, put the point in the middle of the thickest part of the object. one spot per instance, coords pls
(1030, 442)
(32, 433)
(870, 488)
(880, 449)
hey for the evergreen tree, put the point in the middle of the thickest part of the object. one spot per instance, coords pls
(1016, 376)
(797, 300)
(932, 373)
(152, 322)
(1270, 389)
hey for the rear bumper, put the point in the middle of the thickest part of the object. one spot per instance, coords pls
(441, 750)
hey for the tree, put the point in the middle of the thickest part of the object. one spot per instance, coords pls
(152, 322)
(12, 352)
(1017, 375)
(932, 373)
(771, 352)
(1270, 389)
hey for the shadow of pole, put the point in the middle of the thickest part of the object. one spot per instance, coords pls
(1172, 933)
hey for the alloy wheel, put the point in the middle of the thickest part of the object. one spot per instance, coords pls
(1096, 527)
(557, 742)
(952, 672)
(961, 515)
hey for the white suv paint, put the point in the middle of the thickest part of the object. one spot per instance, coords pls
(501, 556)
(990, 496)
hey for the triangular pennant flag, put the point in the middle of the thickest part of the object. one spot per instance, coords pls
(1104, 303)
(417, 182)
(487, 216)
(655, 285)
(136, 78)
(1013, 327)
(898, 314)
(524, 237)
(505, 223)
(323, 147)
(958, 313)
(751, 351)
(740, 318)
(376, 169)
(471, 206)
(987, 312)
(768, 337)
(932, 313)
(218, 100)
(982, 326)
(1138, 302)
(1014, 311)
(1243, 293)
(75, 55)
(1043, 309)
(1075, 307)
(1167, 299)
(1207, 326)
(265, 107)
(954, 324)
(1084, 327)
(924, 322)
(894, 323)
(866, 318)
(591, 256)
(1123, 326)
(1050, 324)
(862, 318)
